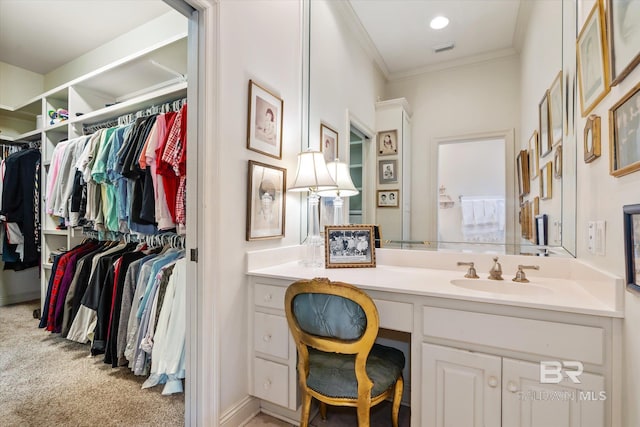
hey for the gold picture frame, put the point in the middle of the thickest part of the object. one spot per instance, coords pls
(624, 50)
(534, 155)
(592, 57)
(388, 143)
(348, 246)
(522, 168)
(544, 130)
(546, 180)
(264, 123)
(555, 110)
(266, 201)
(328, 143)
(624, 144)
(557, 162)
(388, 198)
(592, 144)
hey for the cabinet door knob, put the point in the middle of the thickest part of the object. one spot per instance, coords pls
(267, 337)
(267, 384)
(512, 387)
(493, 382)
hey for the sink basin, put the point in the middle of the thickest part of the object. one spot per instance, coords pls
(501, 287)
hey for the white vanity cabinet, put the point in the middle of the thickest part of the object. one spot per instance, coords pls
(463, 386)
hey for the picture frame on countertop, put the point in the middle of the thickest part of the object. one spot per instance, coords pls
(592, 143)
(348, 246)
(266, 201)
(264, 123)
(624, 37)
(592, 58)
(624, 134)
(631, 226)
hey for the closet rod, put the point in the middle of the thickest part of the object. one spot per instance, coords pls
(170, 239)
(174, 105)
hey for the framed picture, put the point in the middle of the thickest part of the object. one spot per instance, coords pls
(624, 134)
(525, 221)
(557, 162)
(569, 100)
(555, 110)
(522, 168)
(624, 37)
(592, 138)
(593, 71)
(536, 206)
(534, 155)
(387, 171)
(349, 246)
(388, 198)
(541, 230)
(265, 201)
(543, 123)
(387, 142)
(265, 121)
(546, 178)
(631, 224)
(328, 143)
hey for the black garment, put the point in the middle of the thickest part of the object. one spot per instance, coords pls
(148, 200)
(111, 348)
(45, 311)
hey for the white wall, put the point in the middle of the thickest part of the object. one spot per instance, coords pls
(601, 197)
(472, 99)
(260, 41)
(18, 85)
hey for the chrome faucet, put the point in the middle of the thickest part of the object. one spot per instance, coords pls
(496, 271)
(520, 276)
(471, 273)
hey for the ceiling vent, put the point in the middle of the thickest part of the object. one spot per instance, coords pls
(443, 47)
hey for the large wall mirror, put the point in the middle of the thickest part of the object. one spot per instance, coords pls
(480, 115)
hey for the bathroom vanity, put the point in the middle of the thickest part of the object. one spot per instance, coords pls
(475, 346)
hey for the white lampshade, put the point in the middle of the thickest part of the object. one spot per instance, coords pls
(312, 174)
(340, 173)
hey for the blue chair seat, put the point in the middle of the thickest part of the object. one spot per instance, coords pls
(333, 374)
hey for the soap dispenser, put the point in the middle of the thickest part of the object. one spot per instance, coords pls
(496, 271)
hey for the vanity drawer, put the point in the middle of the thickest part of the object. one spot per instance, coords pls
(269, 296)
(397, 316)
(271, 335)
(558, 340)
(270, 381)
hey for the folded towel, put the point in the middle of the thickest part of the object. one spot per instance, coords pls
(467, 212)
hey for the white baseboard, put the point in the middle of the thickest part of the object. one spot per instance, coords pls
(19, 297)
(241, 413)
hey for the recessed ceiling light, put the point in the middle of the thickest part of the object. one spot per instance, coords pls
(439, 22)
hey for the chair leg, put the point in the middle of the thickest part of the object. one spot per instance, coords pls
(364, 412)
(306, 408)
(323, 411)
(397, 397)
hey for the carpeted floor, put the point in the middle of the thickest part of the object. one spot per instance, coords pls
(46, 380)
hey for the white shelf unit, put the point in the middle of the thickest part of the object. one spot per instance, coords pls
(150, 77)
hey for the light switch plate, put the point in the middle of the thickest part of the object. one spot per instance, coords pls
(600, 237)
(591, 237)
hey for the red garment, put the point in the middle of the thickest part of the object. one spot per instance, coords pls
(170, 177)
(116, 269)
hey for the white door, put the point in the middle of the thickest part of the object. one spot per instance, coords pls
(526, 402)
(460, 388)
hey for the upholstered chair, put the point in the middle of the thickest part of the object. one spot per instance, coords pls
(334, 326)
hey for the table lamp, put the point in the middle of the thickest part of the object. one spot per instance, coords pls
(312, 176)
(340, 173)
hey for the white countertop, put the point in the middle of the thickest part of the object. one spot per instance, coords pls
(577, 290)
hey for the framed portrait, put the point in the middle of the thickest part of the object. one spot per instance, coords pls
(543, 124)
(349, 246)
(328, 143)
(624, 37)
(265, 201)
(388, 198)
(592, 57)
(522, 168)
(546, 178)
(264, 130)
(631, 224)
(387, 171)
(592, 138)
(555, 110)
(534, 155)
(624, 134)
(388, 143)
(557, 162)
(541, 230)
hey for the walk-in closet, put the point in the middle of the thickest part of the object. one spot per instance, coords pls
(94, 162)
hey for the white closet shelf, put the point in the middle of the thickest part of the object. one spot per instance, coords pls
(55, 232)
(160, 96)
(33, 135)
(47, 265)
